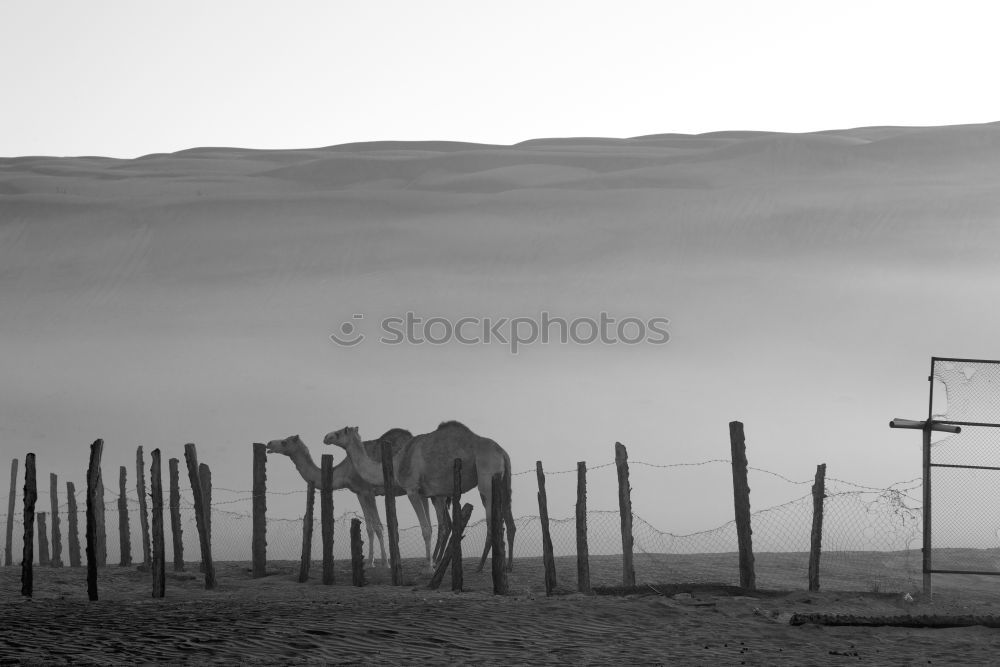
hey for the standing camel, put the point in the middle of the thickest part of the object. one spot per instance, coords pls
(345, 476)
(424, 468)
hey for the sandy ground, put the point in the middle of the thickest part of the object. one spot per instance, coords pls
(275, 620)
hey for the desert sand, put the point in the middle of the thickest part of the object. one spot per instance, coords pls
(275, 620)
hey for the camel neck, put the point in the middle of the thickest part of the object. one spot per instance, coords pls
(313, 473)
(367, 467)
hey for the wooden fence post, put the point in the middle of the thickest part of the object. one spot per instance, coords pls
(159, 551)
(582, 546)
(816, 539)
(200, 514)
(43, 540)
(205, 477)
(457, 575)
(28, 552)
(140, 488)
(259, 541)
(176, 532)
(357, 554)
(496, 534)
(307, 533)
(741, 501)
(543, 512)
(73, 520)
(124, 534)
(388, 478)
(625, 509)
(8, 558)
(56, 532)
(326, 517)
(93, 495)
(457, 528)
(100, 517)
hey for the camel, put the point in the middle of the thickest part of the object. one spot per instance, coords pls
(424, 468)
(345, 476)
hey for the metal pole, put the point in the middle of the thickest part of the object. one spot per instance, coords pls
(927, 485)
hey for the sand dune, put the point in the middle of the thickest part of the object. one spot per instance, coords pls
(437, 164)
(790, 265)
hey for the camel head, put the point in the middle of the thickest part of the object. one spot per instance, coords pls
(287, 446)
(343, 437)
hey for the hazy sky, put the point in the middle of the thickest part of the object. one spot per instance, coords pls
(126, 78)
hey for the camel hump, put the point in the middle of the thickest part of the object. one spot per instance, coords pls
(394, 435)
(454, 424)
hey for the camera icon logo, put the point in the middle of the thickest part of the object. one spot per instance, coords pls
(349, 334)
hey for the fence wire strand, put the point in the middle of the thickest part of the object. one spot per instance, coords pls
(871, 535)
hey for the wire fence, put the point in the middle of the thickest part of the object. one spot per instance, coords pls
(871, 536)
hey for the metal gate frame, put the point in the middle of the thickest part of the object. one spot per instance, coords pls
(928, 426)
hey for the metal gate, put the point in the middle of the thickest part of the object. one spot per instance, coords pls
(963, 469)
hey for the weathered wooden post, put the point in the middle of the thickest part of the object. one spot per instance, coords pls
(259, 540)
(28, 552)
(307, 533)
(56, 532)
(625, 509)
(326, 517)
(159, 551)
(200, 514)
(176, 533)
(543, 512)
(93, 496)
(73, 520)
(457, 575)
(741, 501)
(8, 558)
(140, 488)
(100, 517)
(205, 477)
(582, 546)
(816, 539)
(496, 534)
(43, 540)
(124, 534)
(458, 527)
(389, 479)
(357, 554)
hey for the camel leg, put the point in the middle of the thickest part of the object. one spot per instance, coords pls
(363, 502)
(371, 537)
(423, 516)
(381, 539)
(508, 519)
(511, 529)
(487, 503)
(373, 524)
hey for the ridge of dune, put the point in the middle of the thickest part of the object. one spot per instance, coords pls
(427, 146)
(865, 133)
(569, 163)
